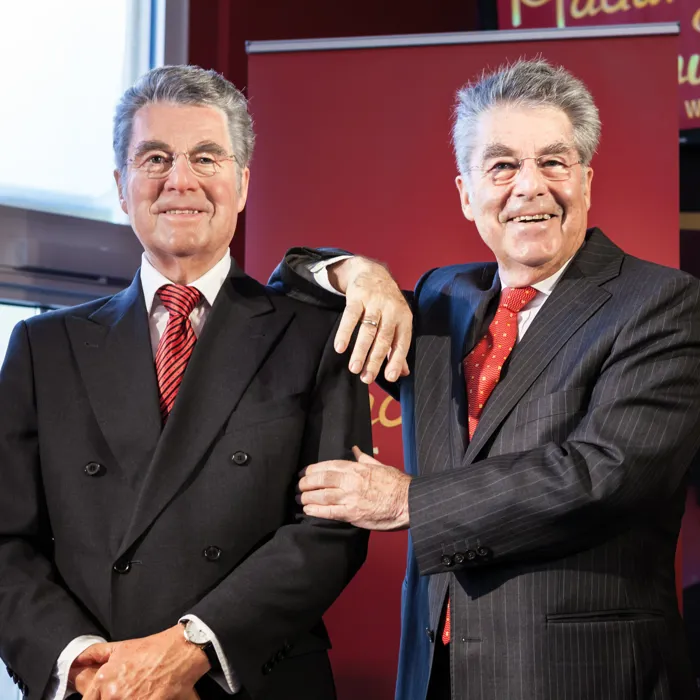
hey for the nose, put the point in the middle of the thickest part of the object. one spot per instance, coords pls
(529, 181)
(181, 178)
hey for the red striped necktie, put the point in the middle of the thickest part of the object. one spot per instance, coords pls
(177, 342)
(482, 368)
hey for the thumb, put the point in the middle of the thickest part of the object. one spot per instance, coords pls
(360, 456)
(95, 654)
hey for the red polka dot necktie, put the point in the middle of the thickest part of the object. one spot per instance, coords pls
(176, 343)
(482, 367)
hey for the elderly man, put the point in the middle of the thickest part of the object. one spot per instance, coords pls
(151, 545)
(551, 414)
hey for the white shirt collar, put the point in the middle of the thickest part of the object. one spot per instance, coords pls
(208, 284)
(546, 286)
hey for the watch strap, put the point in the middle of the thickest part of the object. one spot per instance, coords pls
(213, 657)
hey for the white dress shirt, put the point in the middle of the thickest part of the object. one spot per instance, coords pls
(525, 317)
(209, 284)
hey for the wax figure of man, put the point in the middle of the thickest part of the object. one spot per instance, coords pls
(550, 416)
(150, 536)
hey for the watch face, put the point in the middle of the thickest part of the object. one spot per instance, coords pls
(194, 634)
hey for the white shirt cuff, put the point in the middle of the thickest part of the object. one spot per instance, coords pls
(57, 688)
(320, 273)
(227, 680)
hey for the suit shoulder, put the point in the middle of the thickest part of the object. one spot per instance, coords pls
(54, 316)
(314, 316)
(440, 279)
(649, 279)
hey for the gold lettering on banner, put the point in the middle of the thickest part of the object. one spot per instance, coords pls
(517, 14)
(641, 4)
(695, 22)
(692, 109)
(383, 418)
(688, 73)
(589, 9)
(580, 9)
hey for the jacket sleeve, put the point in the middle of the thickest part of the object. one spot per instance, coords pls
(625, 458)
(38, 617)
(282, 589)
(294, 278)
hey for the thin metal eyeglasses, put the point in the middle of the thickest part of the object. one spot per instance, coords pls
(504, 170)
(159, 165)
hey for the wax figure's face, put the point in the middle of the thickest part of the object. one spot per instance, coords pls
(182, 215)
(535, 248)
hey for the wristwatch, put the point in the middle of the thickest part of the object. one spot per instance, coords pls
(197, 636)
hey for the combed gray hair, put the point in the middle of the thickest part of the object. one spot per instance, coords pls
(185, 85)
(534, 83)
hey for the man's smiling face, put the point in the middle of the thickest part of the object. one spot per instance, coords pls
(182, 215)
(532, 224)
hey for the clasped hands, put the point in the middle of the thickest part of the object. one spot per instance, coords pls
(164, 666)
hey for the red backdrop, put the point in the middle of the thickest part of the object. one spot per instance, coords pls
(353, 151)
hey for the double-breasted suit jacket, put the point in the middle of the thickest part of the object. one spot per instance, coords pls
(112, 525)
(554, 529)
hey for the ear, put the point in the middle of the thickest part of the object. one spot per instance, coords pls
(120, 191)
(243, 190)
(463, 189)
(587, 194)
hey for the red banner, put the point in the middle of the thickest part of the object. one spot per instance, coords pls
(529, 14)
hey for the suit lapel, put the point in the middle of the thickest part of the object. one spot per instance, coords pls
(577, 296)
(113, 352)
(241, 330)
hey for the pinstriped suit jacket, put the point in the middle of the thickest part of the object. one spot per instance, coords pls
(554, 529)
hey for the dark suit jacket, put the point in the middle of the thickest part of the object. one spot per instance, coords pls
(110, 525)
(554, 529)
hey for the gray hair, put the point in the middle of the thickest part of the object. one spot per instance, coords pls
(533, 83)
(185, 85)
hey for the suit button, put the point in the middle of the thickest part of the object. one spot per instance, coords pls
(266, 668)
(446, 560)
(483, 552)
(239, 458)
(212, 553)
(459, 558)
(471, 555)
(94, 469)
(122, 566)
(431, 634)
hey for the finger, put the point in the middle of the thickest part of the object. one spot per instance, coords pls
(333, 512)
(320, 480)
(328, 465)
(363, 344)
(380, 350)
(95, 654)
(397, 365)
(351, 317)
(84, 678)
(322, 497)
(93, 690)
(361, 456)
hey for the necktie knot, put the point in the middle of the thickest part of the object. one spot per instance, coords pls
(178, 299)
(515, 298)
